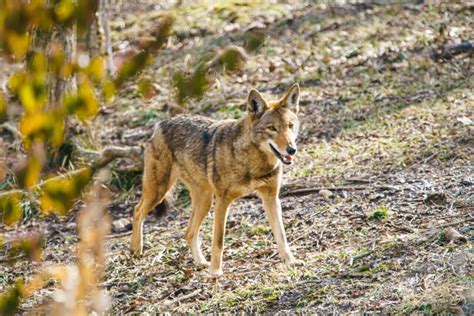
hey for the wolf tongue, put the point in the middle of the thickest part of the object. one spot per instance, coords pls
(287, 158)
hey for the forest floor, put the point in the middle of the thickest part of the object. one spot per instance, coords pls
(386, 147)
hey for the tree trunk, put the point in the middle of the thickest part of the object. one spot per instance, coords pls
(49, 43)
(98, 41)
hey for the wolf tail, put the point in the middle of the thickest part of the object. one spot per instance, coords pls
(163, 208)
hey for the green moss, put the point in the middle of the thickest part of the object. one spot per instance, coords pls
(380, 213)
(260, 229)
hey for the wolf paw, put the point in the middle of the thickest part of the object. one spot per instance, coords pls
(136, 251)
(295, 262)
(203, 264)
(215, 273)
(136, 254)
(292, 261)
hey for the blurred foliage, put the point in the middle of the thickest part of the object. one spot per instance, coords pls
(83, 103)
(137, 62)
(78, 292)
(28, 171)
(30, 247)
(18, 18)
(10, 300)
(193, 85)
(10, 208)
(232, 58)
(3, 108)
(43, 124)
(146, 89)
(253, 40)
(59, 194)
(52, 87)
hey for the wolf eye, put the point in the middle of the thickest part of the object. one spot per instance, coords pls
(290, 125)
(272, 128)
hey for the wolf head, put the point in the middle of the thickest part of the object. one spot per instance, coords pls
(275, 124)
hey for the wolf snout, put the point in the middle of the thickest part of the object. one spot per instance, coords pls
(291, 150)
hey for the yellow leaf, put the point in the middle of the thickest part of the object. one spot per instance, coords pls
(109, 89)
(67, 70)
(64, 10)
(30, 124)
(18, 44)
(27, 97)
(59, 195)
(85, 105)
(32, 91)
(56, 197)
(29, 175)
(16, 81)
(10, 209)
(39, 64)
(46, 127)
(96, 68)
(3, 108)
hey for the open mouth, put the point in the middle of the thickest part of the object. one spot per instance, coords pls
(286, 159)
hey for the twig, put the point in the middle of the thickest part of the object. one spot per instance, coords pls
(11, 259)
(107, 155)
(362, 255)
(129, 232)
(423, 161)
(307, 191)
(356, 276)
(357, 180)
(311, 190)
(466, 220)
(118, 235)
(110, 153)
(181, 298)
(11, 193)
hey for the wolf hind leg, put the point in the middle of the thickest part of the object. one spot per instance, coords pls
(201, 204)
(157, 180)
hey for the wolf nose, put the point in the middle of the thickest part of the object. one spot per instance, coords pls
(291, 150)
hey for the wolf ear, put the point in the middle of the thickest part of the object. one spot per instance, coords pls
(256, 105)
(291, 100)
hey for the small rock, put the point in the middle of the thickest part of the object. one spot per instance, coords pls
(325, 193)
(465, 121)
(467, 181)
(121, 224)
(453, 235)
(71, 225)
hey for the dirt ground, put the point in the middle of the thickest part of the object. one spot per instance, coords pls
(383, 181)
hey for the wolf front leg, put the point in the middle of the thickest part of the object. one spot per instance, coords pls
(201, 203)
(272, 206)
(220, 218)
